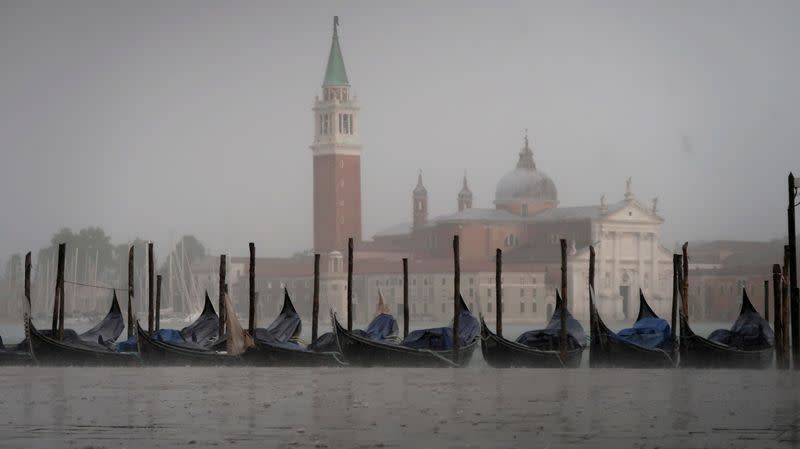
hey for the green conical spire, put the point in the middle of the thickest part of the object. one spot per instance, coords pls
(335, 73)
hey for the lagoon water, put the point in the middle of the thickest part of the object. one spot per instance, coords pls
(476, 406)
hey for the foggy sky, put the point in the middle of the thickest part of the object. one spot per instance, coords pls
(155, 119)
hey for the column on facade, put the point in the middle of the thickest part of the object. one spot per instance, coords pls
(640, 252)
(615, 264)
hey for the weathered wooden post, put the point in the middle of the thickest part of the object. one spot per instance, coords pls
(222, 289)
(562, 345)
(456, 300)
(778, 315)
(594, 334)
(150, 287)
(766, 300)
(251, 325)
(62, 248)
(315, 304)
(350, 284)
(130, 292)
(786, 310)
(792, 268)
(158, 304)
(498, 287)
(405, 297)
(676, 268)
(685, 283)
(28, 281)
(61, 294)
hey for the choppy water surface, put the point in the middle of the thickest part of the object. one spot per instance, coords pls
(476, 407)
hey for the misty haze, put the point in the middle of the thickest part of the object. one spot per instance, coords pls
(530, 224)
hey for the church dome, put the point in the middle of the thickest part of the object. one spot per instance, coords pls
(525, 182)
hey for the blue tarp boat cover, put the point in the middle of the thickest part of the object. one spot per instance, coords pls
(382, 328)
(441, 338)
(649, 332)
(204, 331)
(549, 338)
(750, 332)
(109, 329)
(284, 329)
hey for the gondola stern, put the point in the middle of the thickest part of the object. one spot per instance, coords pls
(644, 308)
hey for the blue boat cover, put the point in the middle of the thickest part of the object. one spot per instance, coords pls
(549, 338)
(204, 331)
(128, 345)
(109, 329)
(651, 333)
(441, 338)
(750, 332)
(382, 327)
(284, 329)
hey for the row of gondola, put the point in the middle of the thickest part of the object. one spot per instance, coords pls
(650, 343)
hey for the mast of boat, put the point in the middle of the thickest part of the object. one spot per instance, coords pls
(498, 273)
(252, 281)
(562, 344)
(405, 297)
(456, 299)
(350, 284)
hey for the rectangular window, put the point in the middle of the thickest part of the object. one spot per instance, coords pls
(488, 306)
(352, 125)
(489, 292)
(471, 292)
(533, 307)
(442, 307)
(444, 281)
(521, 292)
(522, 307)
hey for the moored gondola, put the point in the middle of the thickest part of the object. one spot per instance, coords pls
(279, 345)
(92, 348)
(648, 344)
(749, 343)
(422, 348)
(538, 348)
(15, 355)
(161, 353)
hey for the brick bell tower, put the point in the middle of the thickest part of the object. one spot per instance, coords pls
(337, 157)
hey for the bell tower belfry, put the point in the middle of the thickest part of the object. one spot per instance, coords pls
(337, 157)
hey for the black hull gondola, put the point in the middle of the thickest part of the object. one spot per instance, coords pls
(609, 351)
(10, 358)
(264, 354)
(502, 353)
(272, 347)
(362, 351)
(158, 353)
(699, 352)
(47, 351)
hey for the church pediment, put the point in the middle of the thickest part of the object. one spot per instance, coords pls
(633, 212)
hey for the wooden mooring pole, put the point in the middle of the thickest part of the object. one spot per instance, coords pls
(150, 288)
(786, 310)
(562, 344)
(222, 289)
(28, 281)
(498, 288)
(793, 293)
(594, 334)
(766, 300)
(315, 304)
(157, 318)
(130, 292)
(62, 257)
(405, 297)
(456, 300)
(251, 324)
(350, 284)
(57, 298)
(777, 314)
